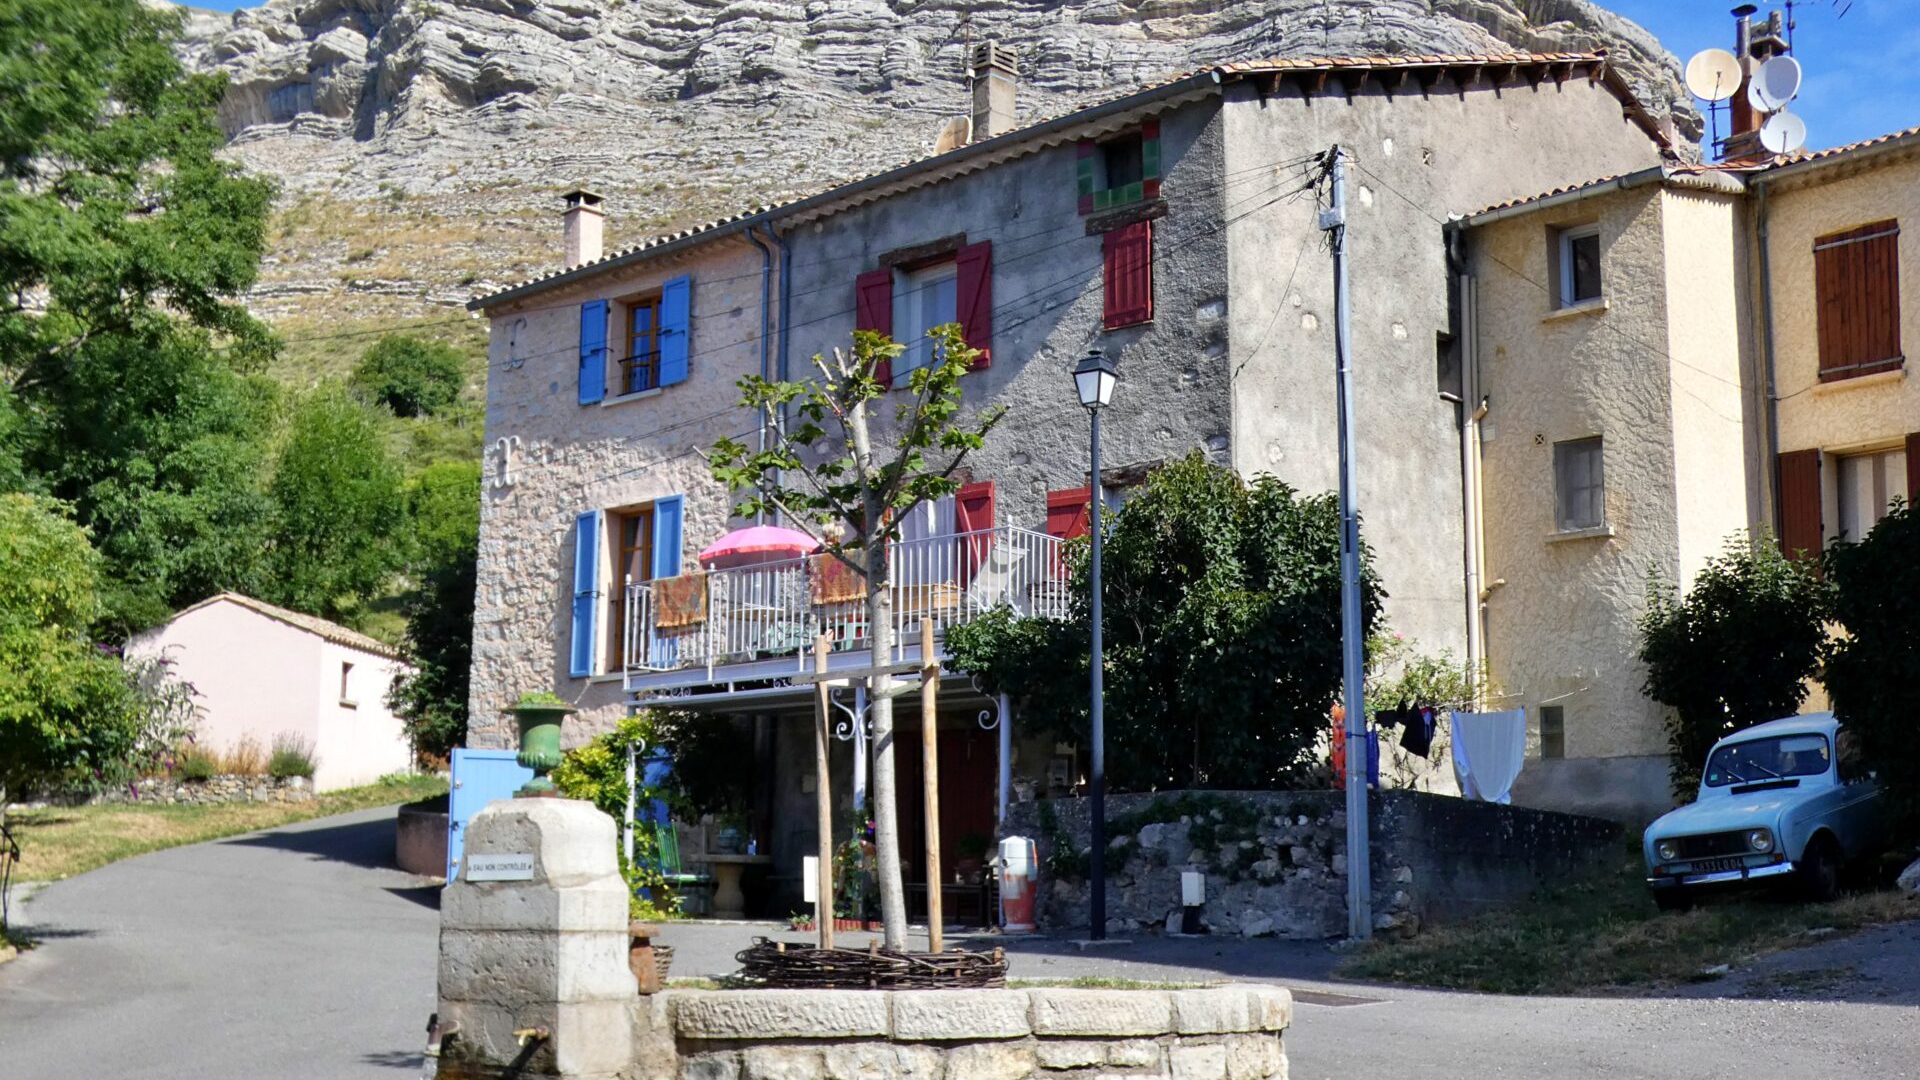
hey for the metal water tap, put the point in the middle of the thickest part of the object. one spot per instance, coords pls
(532, 1034)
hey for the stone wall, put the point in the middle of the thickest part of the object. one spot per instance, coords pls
(1276, 865)
(214, 789)
(1212, 1033)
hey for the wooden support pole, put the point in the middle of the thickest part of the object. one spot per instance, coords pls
(823, 793)
(930, 765)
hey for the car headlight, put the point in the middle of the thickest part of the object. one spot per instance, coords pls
(1666, 849)
(1760, 840)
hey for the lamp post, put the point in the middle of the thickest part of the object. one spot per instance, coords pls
(1094, 379)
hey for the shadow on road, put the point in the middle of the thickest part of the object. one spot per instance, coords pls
(411, 1061)
(427, 896)
(362, 843)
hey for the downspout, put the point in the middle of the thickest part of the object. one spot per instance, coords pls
(786, 310)
(1771, 450)
(766, 330)
(1472, 410)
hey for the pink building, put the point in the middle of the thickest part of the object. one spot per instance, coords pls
(265, 671)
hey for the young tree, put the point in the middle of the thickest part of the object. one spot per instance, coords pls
(409, 375)
(1873, 667)
(1736, 652)
(337, 507)
(1222, 624)
(857, 477)
(443, 514)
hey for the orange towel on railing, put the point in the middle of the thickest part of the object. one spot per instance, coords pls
(680, 601)
(834, 582)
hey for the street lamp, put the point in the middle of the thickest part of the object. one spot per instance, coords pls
(1094, 379)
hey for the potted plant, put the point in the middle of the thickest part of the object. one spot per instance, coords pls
(539, 715)
(729, 838)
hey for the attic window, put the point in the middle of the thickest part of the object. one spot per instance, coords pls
(1120, 170)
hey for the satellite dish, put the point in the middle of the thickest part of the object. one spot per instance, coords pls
(954, 134)
(1713, 75)
(1783, 133)
(1775, 83)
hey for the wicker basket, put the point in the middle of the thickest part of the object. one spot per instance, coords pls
(662, 961)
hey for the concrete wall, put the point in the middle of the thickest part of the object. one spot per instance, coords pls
(1419, 158)
(359, 739)
(570, 458)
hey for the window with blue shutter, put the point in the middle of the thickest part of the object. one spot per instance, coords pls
(676, 317)
(586, 591)
(668, 514)
(593, 351)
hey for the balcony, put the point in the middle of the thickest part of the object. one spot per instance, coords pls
(774, 610)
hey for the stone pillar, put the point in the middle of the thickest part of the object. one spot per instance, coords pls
(549, 951)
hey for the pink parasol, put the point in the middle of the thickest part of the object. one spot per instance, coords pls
(763, 540)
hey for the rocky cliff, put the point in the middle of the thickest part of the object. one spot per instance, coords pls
(421, 143)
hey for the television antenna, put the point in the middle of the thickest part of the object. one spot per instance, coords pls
(1783, 133)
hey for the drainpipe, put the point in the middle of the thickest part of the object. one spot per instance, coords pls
(786, 312)
(1766, 348)
(1472, 410)
(766, 329)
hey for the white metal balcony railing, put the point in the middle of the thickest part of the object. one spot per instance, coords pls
(776, 609)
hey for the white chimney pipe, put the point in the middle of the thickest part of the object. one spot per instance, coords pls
(585, 227)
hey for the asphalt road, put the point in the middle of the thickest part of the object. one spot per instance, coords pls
(296, 953)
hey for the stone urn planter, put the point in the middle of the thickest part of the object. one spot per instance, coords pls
(539, 717)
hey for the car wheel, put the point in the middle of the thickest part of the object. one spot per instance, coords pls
(1820, 869)
(1672, 900)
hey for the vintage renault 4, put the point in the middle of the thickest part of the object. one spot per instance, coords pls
(1787, 802)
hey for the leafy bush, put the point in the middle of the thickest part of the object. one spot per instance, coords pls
(1872, 668)
(1222, 635)
(409, 375)
(197, 765)
(292, 756)
(1736, 652)
(597, 773)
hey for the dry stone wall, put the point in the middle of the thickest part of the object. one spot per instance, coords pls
(213, 790)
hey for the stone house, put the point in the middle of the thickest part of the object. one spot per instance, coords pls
(1175, 227)
(262, 672)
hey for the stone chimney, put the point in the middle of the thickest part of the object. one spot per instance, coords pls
(994, 74)
(585, 227)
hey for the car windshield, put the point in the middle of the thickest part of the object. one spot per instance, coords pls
(1755, 760)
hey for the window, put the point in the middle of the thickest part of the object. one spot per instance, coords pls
(346, 684)
(1120, 162)
(1857, 285)
(1850, 756)
(640, 359)
(1579, 484)
(631, 541)
(1127, 268)
(1121, 170)
(1553, 731)
(1868, 485)
(923, 298)
(1579, 260)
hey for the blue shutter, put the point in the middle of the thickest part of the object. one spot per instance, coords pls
(676, 318)
(586, 590)
(668, 514)
(593, 351)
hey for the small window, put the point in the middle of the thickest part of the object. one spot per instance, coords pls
(640, 359)
(1868, 485)
(1579, 484)
(922, 299)
(1119, 171)
(1553, 732)
(1579, 259)
(1121, 162)
(632, 547)
(346, 683)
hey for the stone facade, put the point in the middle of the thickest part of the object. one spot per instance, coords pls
(1275, 862)
(211, 791)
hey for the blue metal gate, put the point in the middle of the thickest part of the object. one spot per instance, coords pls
(479, 777)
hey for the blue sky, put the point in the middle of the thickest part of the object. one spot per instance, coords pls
(1863, 67)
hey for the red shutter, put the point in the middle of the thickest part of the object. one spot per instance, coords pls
(1128, 258)
(1802, 532)
(873, 310)
(1069, 512)
(1913, 468)
(973, 297)
(972, 518)
(1857, 299)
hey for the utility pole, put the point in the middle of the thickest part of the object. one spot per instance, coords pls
(1352, 663)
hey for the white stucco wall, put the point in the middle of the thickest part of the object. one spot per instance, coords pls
(360, 742)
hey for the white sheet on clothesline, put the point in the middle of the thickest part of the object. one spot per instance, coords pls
(1488, 750)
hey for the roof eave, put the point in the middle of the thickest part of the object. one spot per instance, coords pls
(1854, 156)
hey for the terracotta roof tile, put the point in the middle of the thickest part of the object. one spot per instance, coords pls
(312, 624)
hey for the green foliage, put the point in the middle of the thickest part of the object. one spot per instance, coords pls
(197, 765)
(707, 776)
(409, 375)
(443, 507)
(1222, 635)
(292, 755)
(1872, 668)
(67, 710)
(539, 699)
(338, 508)
(1735, 652)
(597, 773)
(125, 396)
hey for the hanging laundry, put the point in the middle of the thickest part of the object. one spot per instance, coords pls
(1488, 750)
(1417, 736)
(1390, 717)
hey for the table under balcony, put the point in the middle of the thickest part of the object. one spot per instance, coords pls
(741, 633)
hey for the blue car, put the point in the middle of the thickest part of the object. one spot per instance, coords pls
(1787, 802)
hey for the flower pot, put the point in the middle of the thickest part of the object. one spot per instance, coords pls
(540, 745)
(729, 840)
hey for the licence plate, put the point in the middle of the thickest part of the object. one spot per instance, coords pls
(1714, 866)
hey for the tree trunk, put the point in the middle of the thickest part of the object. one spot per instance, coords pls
(886, 792)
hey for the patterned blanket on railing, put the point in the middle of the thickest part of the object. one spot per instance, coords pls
(680, 601)
(834, 582)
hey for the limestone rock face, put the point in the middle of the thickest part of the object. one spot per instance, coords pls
(681, 110)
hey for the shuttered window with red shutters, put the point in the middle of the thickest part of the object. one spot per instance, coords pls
(1802, 528)
(973, 267)
(973, 520)
(1857, 284)
(1127, 258)
(1069, 512)
(873, 310)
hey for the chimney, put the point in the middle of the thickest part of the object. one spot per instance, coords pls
(585, 227)
(1754, 44)
(994, 74)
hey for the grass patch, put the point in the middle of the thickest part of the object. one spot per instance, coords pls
(59, 842)
(1605, 934)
